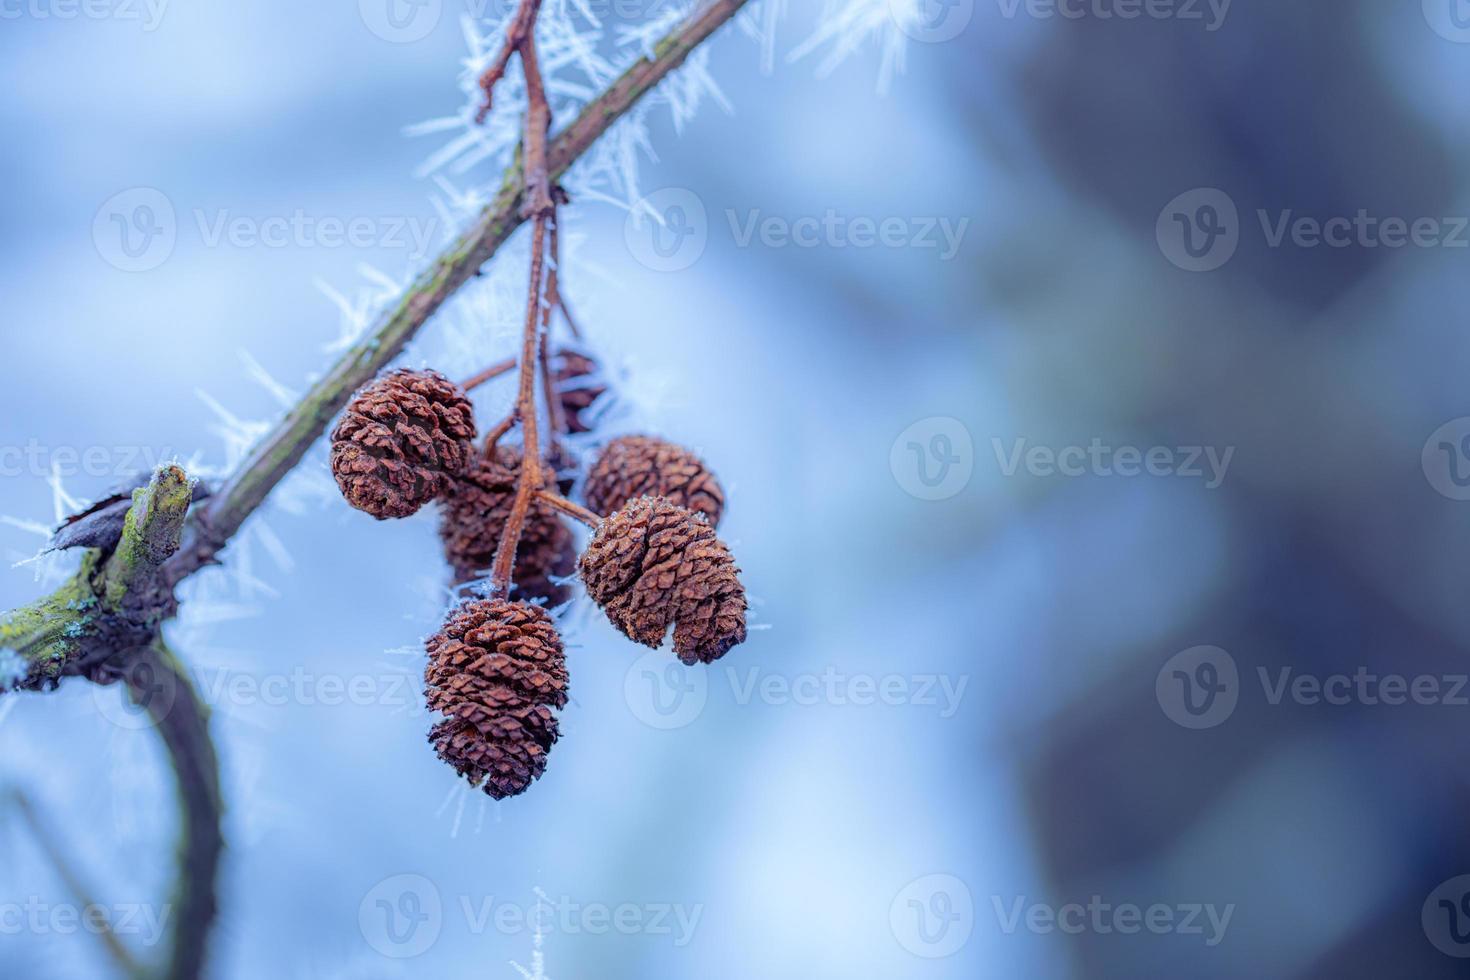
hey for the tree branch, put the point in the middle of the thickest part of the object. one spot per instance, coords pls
(158, 683)
(280, 451)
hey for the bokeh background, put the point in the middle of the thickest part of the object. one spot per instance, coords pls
(965, 707)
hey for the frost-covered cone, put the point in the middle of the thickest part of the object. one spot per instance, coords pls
(496, 671)
(570, 368)
(474, 514)
(653, 564)
(401, 440)
(637, 466)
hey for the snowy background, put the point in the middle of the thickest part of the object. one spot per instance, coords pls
(919, 242)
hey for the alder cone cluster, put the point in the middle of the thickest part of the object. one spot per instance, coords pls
(402, 439)
(571, 367)
(637, 466)
(496, 672)
(652, 564)
(474, 514)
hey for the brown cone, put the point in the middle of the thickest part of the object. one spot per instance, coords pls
(570, 369)
(653, 563)
(474, 515)
(496, 670)
(401, 440)
(637, 466)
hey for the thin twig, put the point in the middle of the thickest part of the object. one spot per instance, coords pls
(523, 25)
(530, 476)
(489, 374)
(567, 507)
(554, 297)
(501, 428)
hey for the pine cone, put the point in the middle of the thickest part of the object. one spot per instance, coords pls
(654, 563)
(570, 369)
(637, 466)
(401, 440)
(496, 670)
(474, 515)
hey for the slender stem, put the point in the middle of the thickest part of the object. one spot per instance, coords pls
(158, 683)
(567, 507)
(281, 450)
(489, 374)
(522, 25)
(530, 475)
(501, 428)
(555, 414)
(554, 298)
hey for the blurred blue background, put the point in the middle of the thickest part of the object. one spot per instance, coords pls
(962, 711)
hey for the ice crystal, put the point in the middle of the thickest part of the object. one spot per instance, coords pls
(537, 970)
(846, 27)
